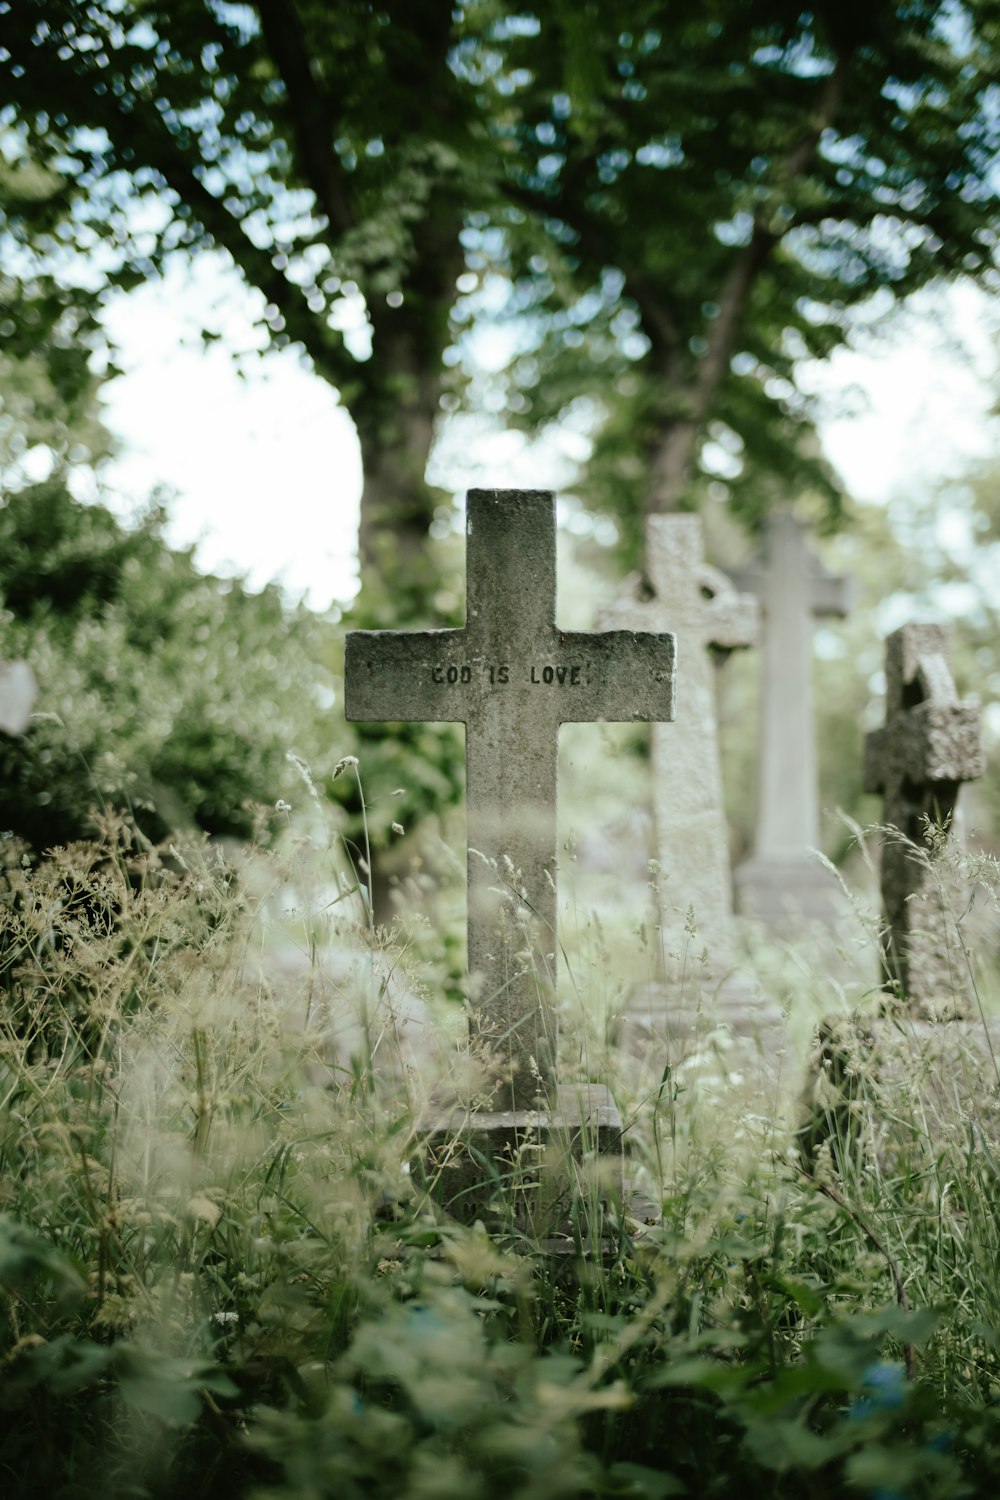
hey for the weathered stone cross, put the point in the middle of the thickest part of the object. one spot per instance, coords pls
(702, 607)
(794, 589)
(513, 677)
(929, 744)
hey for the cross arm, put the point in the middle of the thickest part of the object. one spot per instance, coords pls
(943, 742)
(398, 676)
(628, 675)
(830, 596)
(730, 619)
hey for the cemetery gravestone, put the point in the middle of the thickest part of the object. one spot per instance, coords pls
(945, 1074)
(701, 606)
(930, 743)
(512, 677)
(782, 881)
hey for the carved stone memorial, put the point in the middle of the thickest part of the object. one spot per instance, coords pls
(782, 882)
(512, 676)
(946, 1073)
(930, 743)
(682, 593)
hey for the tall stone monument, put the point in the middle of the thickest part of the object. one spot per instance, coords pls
(682, 593)
(782, 881)
(512, 676)
(930, 744)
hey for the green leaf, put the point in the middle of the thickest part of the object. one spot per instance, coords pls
(26, 1256)
(638, 1482)
(167, 1387)
(780, 1444)
(881, 1465)
(62, 1365)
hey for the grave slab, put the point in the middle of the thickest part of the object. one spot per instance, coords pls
(539, 1162)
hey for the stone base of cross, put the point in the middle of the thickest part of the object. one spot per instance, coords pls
(788, 894)
(513, 677)
(548, 1168)
(930, 744)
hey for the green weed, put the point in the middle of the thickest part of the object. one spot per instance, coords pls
(221, 1273)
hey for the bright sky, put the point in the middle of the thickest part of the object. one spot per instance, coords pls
(266, 467)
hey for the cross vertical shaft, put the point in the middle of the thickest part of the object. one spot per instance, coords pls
(511, 774)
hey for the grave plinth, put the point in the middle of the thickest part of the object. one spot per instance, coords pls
(782, 883)
(523, 1170)
(512, 677)
(930, 744)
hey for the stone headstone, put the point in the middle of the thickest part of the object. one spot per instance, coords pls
(930, 744)
(512, 677)
(682, 593)
(782, 881)
(18, 690)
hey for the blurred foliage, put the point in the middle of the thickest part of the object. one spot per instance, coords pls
(934, 555)
(49, 334)
(681, 202)
(160, 689)
(299, 140)
(218, 1277)
(704, 194)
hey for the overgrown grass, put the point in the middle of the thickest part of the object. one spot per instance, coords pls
(219, 1275)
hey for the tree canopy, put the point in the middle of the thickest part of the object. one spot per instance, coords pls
(707, 192)
(685, 199)
(172, 694)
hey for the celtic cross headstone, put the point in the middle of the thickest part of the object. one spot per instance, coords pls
(682, 593)
(930, 744)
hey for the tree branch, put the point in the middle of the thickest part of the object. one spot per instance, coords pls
(312, 121)
(675, 452)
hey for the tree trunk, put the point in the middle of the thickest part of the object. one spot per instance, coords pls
(675, 447)
(396, 414)
(674, 450)
(397, 505)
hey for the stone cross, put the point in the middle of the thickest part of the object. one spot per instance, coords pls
(930, 743)
(701, 606)
(794, 589)
(512, 677)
